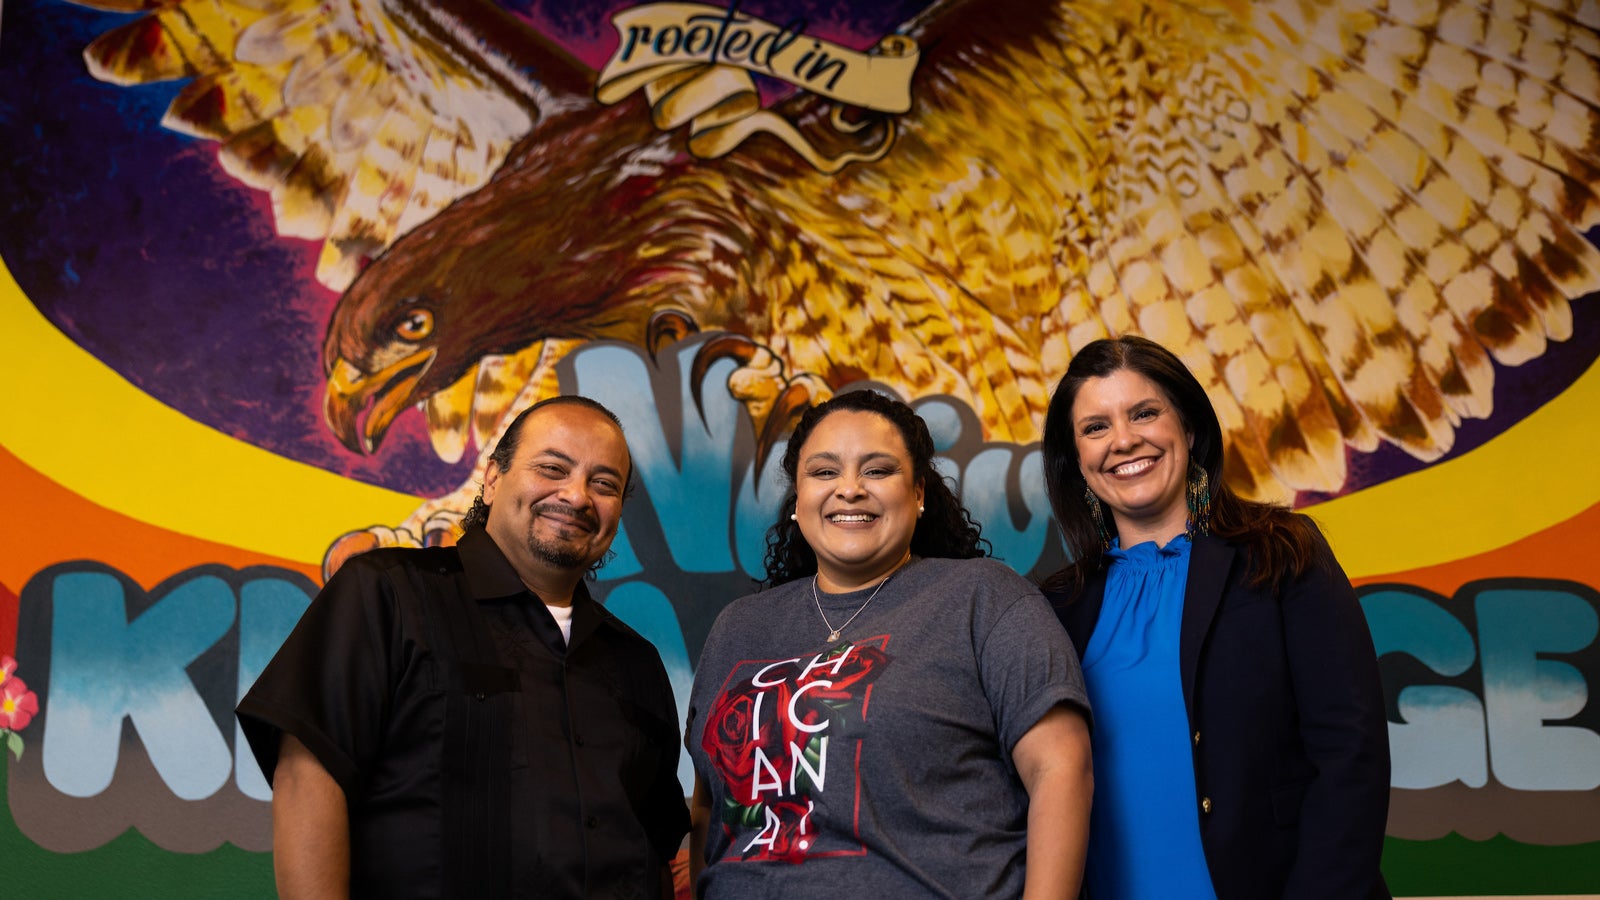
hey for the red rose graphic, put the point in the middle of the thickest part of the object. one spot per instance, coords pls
(731, 746)
(860, 667)
(769, 807)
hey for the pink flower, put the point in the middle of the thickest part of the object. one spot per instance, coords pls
(17, 704)
(7, 666)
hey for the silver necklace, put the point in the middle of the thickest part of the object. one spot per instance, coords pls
(833, 633)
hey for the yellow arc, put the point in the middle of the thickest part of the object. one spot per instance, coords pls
(82, 425)
(88, 429)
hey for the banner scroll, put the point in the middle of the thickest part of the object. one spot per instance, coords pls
(694, 61)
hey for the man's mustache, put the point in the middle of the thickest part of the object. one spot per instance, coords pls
(586, 517)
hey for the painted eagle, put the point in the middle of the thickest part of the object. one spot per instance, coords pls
(1340, 214)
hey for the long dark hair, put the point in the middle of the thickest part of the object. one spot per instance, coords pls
(1283, 544)
(945, 528)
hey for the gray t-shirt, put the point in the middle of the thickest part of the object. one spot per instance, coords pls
(879, 766)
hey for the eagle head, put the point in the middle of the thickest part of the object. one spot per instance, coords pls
(551, 247)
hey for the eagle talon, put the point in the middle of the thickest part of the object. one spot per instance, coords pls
(667, 327)
(439, 537)
(785, 414)
(724, 346)
(354, 543)
(345, 546)
(772, 399)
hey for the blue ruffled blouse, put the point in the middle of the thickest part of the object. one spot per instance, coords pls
(1144, 834)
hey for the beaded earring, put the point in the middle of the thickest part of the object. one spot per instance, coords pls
(1098, 516)
(1199, 523)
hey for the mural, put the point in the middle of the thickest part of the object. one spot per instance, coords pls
(277, 274)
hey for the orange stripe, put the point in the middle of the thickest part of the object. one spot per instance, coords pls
(1555, 552)
(47, 523)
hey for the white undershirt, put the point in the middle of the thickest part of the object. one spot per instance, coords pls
(563, 616)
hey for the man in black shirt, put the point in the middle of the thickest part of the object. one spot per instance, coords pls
(466, 721)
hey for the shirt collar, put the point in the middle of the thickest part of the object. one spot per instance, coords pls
(490, 576)
(1148, 550)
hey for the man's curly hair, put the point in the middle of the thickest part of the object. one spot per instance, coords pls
(945, 529)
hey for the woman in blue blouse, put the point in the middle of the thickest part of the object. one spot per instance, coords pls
(1240, 744)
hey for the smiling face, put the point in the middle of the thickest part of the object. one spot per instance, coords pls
(856, 499)
(1133, 451)
(555, 509)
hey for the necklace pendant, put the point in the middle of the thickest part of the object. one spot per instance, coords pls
(833, 636)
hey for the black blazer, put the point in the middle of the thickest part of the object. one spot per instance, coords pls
(1286, 714)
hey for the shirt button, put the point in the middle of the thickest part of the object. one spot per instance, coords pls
(591, 822)
(577, 740)
(1197, 738)
(1205, 804)
(479, 696)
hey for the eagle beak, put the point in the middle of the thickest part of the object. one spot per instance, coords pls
(389, 390)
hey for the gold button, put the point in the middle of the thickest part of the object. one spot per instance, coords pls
(1197, 737)
(1205, 804)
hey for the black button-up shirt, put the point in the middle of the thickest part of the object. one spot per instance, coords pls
(479, 753)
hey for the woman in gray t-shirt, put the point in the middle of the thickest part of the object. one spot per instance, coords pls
(895, 716)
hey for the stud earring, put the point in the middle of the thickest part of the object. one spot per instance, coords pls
(921, 509)
(792, 518)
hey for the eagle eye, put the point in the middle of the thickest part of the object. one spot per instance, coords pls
(415, 326)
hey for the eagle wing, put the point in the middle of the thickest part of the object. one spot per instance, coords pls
(1339, 214)
(361, 118)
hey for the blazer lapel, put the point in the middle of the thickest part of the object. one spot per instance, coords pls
(1209, 562)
